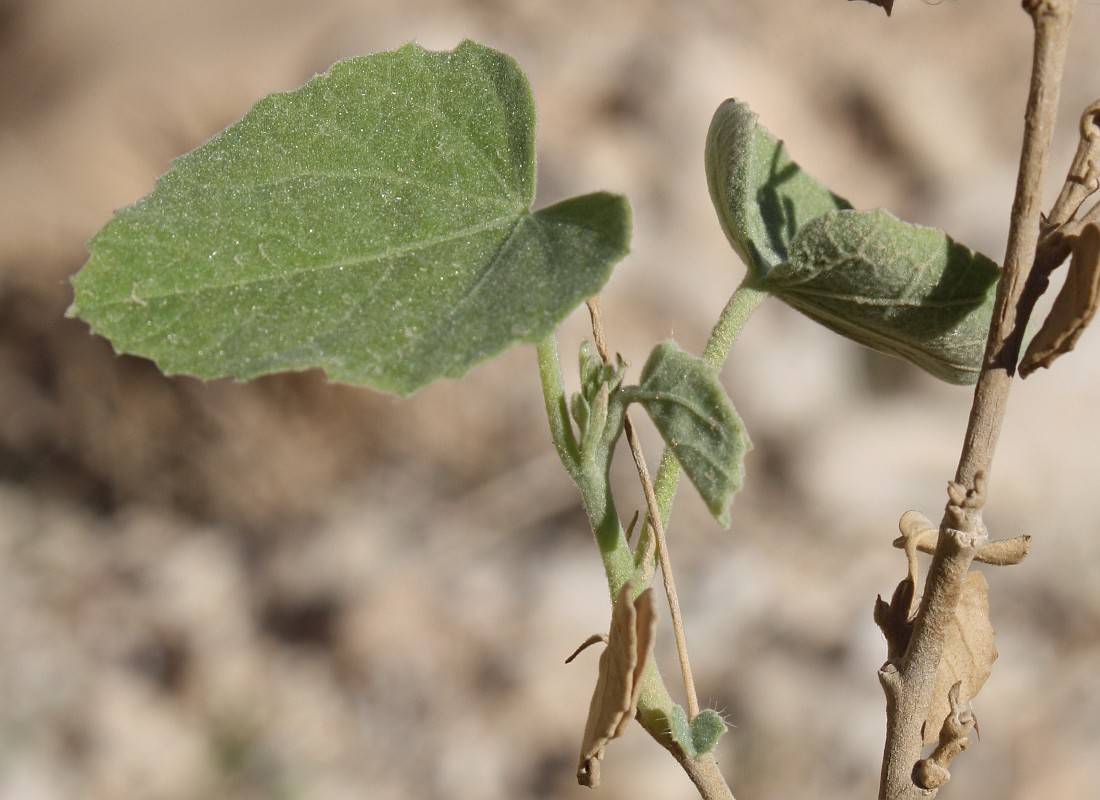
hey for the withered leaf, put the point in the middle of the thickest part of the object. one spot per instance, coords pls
(1074, 307)
(919, 530)
(887, 5)
(615, 699)
(968, 654)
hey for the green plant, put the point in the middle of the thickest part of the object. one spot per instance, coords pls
(378, 224)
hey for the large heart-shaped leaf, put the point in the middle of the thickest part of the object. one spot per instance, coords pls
(902, 289)
(761, 196)
(375, 223)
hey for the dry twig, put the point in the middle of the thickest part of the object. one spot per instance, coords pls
(908, 680)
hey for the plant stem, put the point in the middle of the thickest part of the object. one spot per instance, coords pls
(595, 494)
(744, 300)
(657, 528)
(908, 681)
(1052, 20)
(666, 573)
(557, 410)
(703, 771)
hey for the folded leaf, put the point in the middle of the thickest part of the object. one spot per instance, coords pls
(375, 223)
(761, 196)
(898, 288)
(694, 415)
(968, 653)
(619, 684)
(1073, 308)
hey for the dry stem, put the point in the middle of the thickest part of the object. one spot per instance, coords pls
(908, 681)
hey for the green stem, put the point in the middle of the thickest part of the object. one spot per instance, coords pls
(742, 303)
(557, 409)
(588, 473)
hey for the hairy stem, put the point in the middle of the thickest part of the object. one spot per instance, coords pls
(703, 771)
(596, 497)
(909, 680)
(557, 409)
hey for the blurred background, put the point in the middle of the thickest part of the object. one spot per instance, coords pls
(289, 589)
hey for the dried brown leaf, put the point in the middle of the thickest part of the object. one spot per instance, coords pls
(1074, 307)
(615, 699)
(919, 534)
(1005, 552)
(968, 654)
(887, 5)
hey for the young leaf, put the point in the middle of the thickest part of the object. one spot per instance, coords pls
(898, 288)
(694, 414)
(698, 737)
(375, 223)
(615, 698)
(706, 729)
(596, 376)
(1073, 308)
(761, 196)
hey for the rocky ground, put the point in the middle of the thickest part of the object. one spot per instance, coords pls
(289, 589)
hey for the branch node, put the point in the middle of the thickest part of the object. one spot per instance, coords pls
(889, 677)
(963, 513)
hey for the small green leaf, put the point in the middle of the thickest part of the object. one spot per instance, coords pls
(698, 737)
(706, 729)
(761, 196)
(375, 223)
(902, 289)
(686, 401)
(595, 375)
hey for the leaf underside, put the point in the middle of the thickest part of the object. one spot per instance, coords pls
(375, 223)
(762, 197)
(1073, 308)
(902, 289)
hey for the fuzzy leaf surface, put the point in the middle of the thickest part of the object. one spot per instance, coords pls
(697, 737)
(762, 197)
(375, 223)
(902, 289)
(695, 417)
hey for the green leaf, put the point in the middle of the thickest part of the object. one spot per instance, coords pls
(595, 375)
(698, 737)
(706, 729)
(902, 289)
(694, 414)
(761, 196)
(375, 223)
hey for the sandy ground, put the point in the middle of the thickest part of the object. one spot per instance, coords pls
(289, 589)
